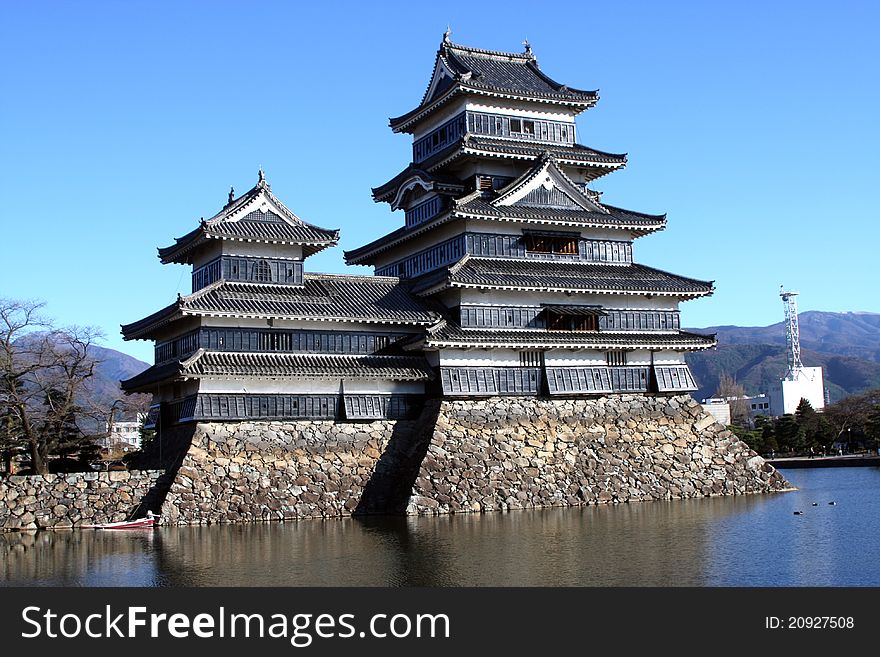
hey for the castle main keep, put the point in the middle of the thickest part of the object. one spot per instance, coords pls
(508, 352)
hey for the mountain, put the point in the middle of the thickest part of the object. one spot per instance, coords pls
(845, 345)
(112, 367)
(843, 334)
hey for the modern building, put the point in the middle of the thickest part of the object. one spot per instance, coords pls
(509, 275)
(123, 434)
(502, 228)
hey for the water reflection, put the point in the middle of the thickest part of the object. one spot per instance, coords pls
(751, 541)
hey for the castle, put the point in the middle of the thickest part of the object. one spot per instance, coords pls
(509, 276)
(508, 351)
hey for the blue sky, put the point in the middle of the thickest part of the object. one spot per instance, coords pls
(752, 124)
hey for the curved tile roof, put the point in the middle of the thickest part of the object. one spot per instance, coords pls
(255, 225)
(226, 364)
(497, 273)
(218, 364)
(323, 297)
(451, 335)
(493, 73)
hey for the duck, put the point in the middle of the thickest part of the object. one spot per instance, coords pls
(798, 513)
(832, 503)
(815, 504)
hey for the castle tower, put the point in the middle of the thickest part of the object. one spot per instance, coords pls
(502, 228)
(259, 338)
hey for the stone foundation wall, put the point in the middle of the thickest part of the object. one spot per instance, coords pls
(515, 453)
(457, 457)
(256, 471)
(63, 501)
(465, 456)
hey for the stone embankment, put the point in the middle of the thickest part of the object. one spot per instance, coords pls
(63, 501)
(253, 471)
(457, 457)
(515, 453)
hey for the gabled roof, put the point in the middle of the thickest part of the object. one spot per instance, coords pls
(614, 218)
(464, 70)
(323, 297)
(410, 177)
(546, 185)
(560, 276)
(448, 334)
(545, 194)
(236, 365)
(255, 216)
(596, 163)
(563, 204)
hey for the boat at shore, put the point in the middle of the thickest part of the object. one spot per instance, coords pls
(149, 521)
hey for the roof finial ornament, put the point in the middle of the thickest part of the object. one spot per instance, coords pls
(528, 47)
(262, 176)
(446, 34)
(231, 195)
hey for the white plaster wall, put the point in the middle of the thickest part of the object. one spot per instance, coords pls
(260, 249)
(479, 357)
(215, 247)
(541, 112)
(439, 117)
(440, 234)
(514, 297)
(591, 357)
(579, 358)
(668, 358)
(208, 252)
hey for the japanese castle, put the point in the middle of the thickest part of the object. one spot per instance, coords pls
(509, 275)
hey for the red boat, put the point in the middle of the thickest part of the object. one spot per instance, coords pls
(149, 521)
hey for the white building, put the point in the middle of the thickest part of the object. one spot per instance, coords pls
(125, 434)
(806, 384)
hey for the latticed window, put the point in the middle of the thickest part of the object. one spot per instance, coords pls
(562, 244)
(262, 272)
(615, 358)
(565, 322)
(530, 358)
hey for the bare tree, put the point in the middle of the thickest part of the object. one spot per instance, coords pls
(45, 373)
(734, 394)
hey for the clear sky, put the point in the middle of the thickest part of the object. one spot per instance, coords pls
(754, 125)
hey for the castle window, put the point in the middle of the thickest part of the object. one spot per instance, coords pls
(529, 127)
(530, 358)
(561, 245)
(565, 322)
(516, 125)
(615, 358)
(262, 272)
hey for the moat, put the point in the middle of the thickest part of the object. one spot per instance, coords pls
(751, 540)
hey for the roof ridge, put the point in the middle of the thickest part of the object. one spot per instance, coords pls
(359, 277)
(197, 355)
(489, 54)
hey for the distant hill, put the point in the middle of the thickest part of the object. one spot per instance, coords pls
(112, 367)
(846, 345)
(842, 334)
